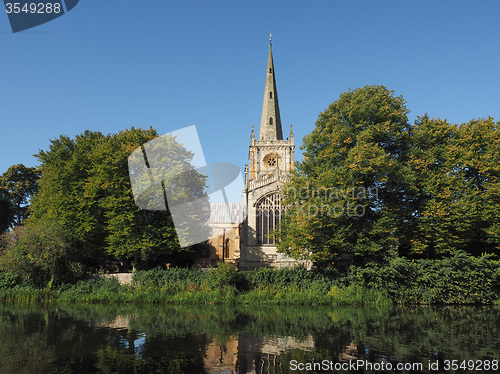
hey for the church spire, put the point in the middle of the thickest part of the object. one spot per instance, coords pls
(270, 124)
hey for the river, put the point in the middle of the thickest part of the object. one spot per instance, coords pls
(225, 339)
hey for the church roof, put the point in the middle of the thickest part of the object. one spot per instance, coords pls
(227, 212)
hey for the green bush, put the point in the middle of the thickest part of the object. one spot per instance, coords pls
(45, 253)
(461, 279)
(221, 277)
(93, 290)
(8, 280)
(298, 277)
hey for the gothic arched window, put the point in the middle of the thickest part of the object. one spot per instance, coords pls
(269, 213)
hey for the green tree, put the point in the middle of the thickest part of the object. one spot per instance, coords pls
(85, 185)
(18, 183)
(46, 253)
(478, 152)
(374, 186)
(457, 171)
(352, 192)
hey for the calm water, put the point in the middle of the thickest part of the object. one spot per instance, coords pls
(153, 339)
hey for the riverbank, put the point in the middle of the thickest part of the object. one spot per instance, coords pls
(222, 285)
(109, 291)
(461, 279)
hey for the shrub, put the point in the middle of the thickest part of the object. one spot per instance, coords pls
(298, 277)
(44, 253)
(461, 279)
(224, 276)
(93, 290)
(8, 280)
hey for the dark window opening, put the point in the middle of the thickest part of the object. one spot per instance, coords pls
(270, 95)
(226, 249)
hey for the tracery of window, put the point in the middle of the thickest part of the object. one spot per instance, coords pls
(272, 160)
(269, 213)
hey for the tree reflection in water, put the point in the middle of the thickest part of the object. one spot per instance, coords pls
(211, 339)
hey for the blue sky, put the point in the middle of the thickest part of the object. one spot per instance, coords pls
(109, 65)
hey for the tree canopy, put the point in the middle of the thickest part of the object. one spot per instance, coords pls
(457, 171)
(17, 185)
(375, 186)
(85, 186)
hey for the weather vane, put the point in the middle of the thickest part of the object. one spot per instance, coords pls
(270, 37)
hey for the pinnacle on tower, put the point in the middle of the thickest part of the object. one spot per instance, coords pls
(270, 124)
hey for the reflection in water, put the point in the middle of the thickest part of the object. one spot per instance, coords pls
(209, 339)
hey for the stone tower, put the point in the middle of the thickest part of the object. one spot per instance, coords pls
(271, 158)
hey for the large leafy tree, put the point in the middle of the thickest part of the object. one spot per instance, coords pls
(352, 191)
(374, 186)
(17, 185)
(458, 171)
(85, 185)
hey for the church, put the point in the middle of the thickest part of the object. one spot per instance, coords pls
(271, 158)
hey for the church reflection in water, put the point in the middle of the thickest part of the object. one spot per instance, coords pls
(242, 352)
(249, 354)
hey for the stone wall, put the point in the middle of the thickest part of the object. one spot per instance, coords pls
(223, 246)
(123, 278)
